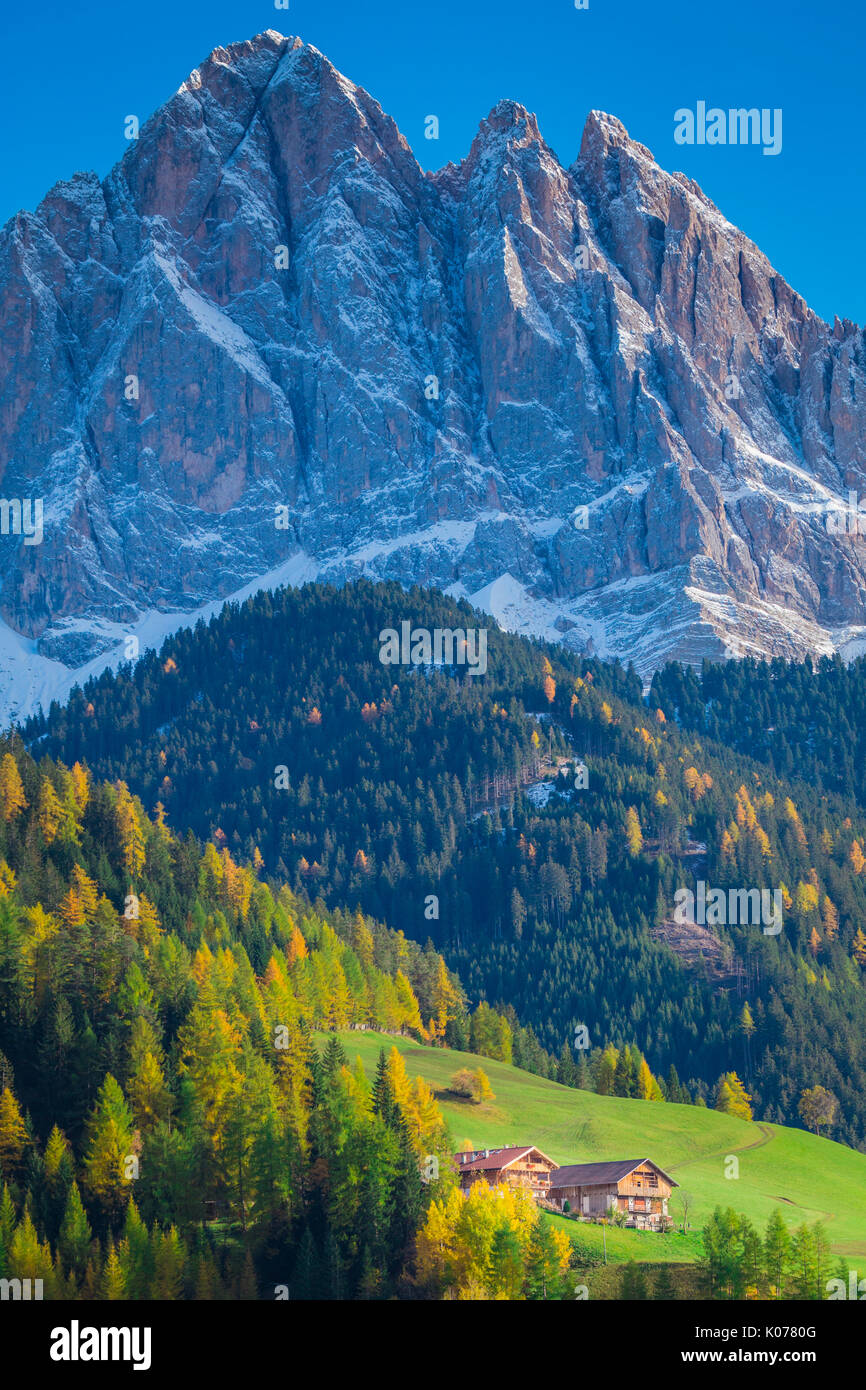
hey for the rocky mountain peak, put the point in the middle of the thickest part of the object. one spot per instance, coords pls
(268, 347)
(511, 119)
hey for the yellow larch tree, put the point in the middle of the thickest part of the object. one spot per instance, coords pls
(792, 816)
(445, 998)
(49, 811)
(130, 830)
(362, 941)
(14, 1139)
(80, 778)
(12, 798)
(829, 919)
(633, 833)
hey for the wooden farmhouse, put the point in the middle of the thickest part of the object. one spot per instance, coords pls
(519, 1166)
(637, 1187)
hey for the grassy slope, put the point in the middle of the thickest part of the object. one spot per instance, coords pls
(807, 1178)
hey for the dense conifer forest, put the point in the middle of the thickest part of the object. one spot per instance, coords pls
(534, 823)
(172, 1124)
(806, 719)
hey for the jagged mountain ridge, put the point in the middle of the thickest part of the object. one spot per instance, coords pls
(584, 326)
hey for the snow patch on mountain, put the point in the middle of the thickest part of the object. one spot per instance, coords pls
(447, 368)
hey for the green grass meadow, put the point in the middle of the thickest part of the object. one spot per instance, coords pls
(806, 1177)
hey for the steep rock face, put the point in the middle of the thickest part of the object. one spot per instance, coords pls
(431, 377)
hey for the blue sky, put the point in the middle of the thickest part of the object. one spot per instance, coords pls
(73, 72)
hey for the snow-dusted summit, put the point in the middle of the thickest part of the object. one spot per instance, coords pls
(268, 304)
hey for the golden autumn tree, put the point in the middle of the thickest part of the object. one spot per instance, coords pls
(130, 831)
(238, 884)
(763, 842)
(410, 1014)
(338, 1007)
(149, 1096)
(747, 1021)
(493, 1244)
(398, 1079)
(445, 998)
(806, 898)
(829, 919)
(14, 1139)
(210, 873)
(79, 904)
(645, 1080)
(362, 941)
(28, 1257)
(49, 812)
(80, 779)
(792, 816)
(57, 1156)
(12, 798)
(147, 929)
(745, 813)
(694, 782)
(633, 832)
(210, 1054)
(7, 879)
(732, 1097)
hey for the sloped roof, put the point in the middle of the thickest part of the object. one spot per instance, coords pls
(591, 1174)
(500, 1158)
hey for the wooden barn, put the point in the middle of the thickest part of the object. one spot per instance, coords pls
(519, 1165)
(637, 1187)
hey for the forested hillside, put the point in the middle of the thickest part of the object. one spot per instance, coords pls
(168, 1126)
(806, 719)
(426, 797)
